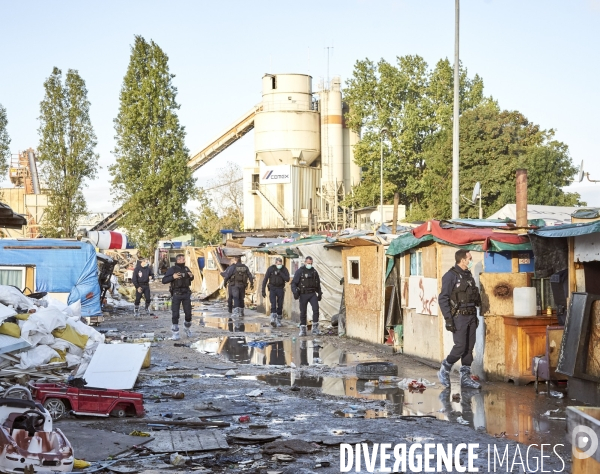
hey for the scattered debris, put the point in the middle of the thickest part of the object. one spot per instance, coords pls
(254, 393)
(178, 460)
(289, 446)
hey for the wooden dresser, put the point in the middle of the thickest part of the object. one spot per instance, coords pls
(525, 338)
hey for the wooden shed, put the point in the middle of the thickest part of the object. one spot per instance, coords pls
(364, 263)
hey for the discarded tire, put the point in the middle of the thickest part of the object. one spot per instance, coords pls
(374, 370)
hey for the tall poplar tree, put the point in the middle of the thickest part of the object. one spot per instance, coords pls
(4, 144)
(150, 178)
(66, 151)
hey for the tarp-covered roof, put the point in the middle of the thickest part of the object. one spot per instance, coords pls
(288, 249)
(568, 230)
(587, 213)
(261, 241)
(61, 266)
(469, 237)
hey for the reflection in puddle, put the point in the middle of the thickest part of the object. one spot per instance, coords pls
(243, 350)
(225, 324)
(502, 413)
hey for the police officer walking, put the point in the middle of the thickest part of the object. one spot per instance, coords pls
(458, 301)
(180, 277)
(306, 286)
(237, 277)
(141, 280)
(276, 277)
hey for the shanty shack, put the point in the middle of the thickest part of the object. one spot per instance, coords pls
(573, 251)
(66, 269)
(421, 258)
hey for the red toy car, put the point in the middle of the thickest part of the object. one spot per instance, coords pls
(59, 399)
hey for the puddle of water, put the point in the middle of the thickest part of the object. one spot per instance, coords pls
(301, 352)
(225, 324)
(502, 411)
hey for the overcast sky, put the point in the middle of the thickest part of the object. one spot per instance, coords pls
(537, 56)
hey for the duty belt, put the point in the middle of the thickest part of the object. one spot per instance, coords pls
(308, 290)
(467, 311)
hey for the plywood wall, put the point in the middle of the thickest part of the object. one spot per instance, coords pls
(364, 314)
(497, 292)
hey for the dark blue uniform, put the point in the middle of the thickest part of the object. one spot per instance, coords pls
(307, 286)
(276, 279)
(181, 293)
(141, 279)
(465, 318)
(237, 277)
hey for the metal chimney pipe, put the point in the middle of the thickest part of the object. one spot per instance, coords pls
(35, 182)
(522, 198)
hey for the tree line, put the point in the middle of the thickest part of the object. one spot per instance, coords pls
(415, 104)
(151, 182)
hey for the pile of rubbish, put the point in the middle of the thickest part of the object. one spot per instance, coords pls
(40, 336)
(126, 260)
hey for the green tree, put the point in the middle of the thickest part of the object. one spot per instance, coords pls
(150, 177)
(220, 205)
(4, 142)
(208, 224)
(494, 143)
(413, 103)
(66, 151)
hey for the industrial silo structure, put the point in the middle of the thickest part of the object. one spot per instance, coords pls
(279, 188)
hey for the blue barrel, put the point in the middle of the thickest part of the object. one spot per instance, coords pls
(201, 262)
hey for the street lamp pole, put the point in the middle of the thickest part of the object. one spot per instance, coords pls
(455, 134)
(382, 133)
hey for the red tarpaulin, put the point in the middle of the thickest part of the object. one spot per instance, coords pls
(465, 236)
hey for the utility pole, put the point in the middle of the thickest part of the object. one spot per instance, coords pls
(383, 132)
(455, 134)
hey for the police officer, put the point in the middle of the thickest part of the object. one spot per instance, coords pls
(276, 277)
(180, 277)
(306, 286)
(458, 301)
(229, 295)
(237, 277)
(141, 280)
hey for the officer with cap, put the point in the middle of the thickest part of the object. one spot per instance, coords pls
(458, 301)
(306, 286)
(141, 281)
(237, 277)
(276, 277)
(180, 279)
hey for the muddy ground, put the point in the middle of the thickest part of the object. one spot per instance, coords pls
(310, 396)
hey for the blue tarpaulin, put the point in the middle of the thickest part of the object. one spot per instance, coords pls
(568, 230)
(61, 266)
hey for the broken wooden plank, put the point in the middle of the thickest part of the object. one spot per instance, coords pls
(187, 441)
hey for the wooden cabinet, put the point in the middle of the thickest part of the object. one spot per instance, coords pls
(525, 338)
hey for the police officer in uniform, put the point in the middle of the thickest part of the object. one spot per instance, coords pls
(141, 280)
(306, 286)
(180, 278)
(237, 277)
(458, 301)
(276, 277)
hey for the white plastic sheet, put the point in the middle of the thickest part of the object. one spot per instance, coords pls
(35, 357)
(9, 295)
(328, 262)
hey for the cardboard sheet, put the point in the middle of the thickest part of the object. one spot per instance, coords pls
(116, 366)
